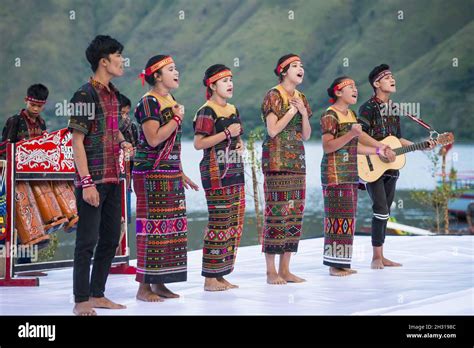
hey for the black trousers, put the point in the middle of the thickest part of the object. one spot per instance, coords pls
(97, 228)
(382, 193)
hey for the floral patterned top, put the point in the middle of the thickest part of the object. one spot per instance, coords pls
(339, 167)
(284, 152)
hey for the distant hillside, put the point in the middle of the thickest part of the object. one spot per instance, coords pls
(420, 48)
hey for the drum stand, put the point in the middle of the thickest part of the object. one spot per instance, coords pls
(9, 279)
(120, 263)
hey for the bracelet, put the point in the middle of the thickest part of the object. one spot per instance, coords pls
(227, 134)
(377, 152)
(177, 120)
(86, 181)
(121, 142)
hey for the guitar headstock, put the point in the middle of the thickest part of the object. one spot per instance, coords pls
(444, 138)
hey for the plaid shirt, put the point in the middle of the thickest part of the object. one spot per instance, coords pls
(101, 130)
(21, 126)
(285, 152)
(376, 125)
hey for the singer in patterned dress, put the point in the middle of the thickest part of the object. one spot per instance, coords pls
(286, 114)
(217, 128)
(159, 182)
(339, 177)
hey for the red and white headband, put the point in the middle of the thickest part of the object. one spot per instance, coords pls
(290, 60)
(382, 74)
(36, 101)
(155, 67)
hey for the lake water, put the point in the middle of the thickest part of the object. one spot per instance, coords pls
(417, 174)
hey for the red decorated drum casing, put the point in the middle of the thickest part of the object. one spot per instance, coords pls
(29, 223)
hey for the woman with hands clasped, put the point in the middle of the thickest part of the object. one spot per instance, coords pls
(339, 176)
(159, 182)
(218, 130)
(286, 114)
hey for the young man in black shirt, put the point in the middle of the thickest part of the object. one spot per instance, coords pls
(379, 119)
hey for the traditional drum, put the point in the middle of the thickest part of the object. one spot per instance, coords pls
(48, 206)
(28, 218)
(67, 202)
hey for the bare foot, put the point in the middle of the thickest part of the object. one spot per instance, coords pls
(104, 302)
(212, 284)
(389, 263)
(163, 291)
(145, 294)
(340, 272)
(291, 278)
(274, 278)
(377, 264)
(84, 309)
(227, 283)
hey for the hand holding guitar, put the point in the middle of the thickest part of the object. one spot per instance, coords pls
(387, 154)
(432, 145)
(372, 167)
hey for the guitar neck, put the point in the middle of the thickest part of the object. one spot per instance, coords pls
(414, 147)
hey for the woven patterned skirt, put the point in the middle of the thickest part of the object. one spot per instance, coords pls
(226, 208)
(284, 209)
(161, 227)
(340, 207)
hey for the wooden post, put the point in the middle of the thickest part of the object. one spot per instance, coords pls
(445, 190)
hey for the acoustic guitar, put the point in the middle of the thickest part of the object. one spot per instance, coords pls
(372, 167)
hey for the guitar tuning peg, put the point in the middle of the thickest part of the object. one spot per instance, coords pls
(434, 135)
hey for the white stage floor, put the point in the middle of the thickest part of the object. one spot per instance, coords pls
(437, 278)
